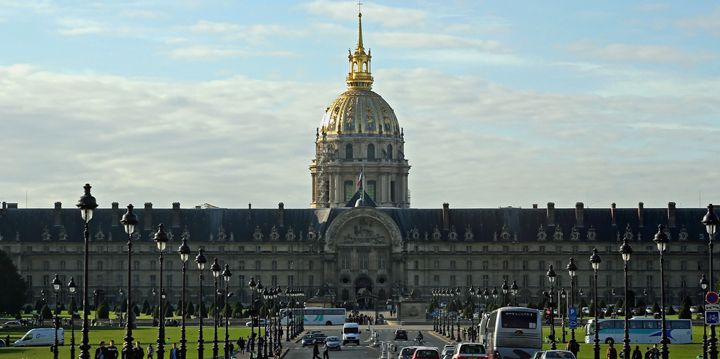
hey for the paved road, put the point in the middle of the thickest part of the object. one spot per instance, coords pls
(366, 349)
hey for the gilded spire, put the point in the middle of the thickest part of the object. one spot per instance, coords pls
(360, 42)
(359, 76)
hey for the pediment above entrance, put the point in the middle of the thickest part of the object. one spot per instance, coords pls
(363, 227)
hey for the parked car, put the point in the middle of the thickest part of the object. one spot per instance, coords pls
(447, 352)
(11, 324)
(307, 340)
(426, 353)
(558, 354)
(401, 334)
(406, 352)
(258, 323)
(538, 354)
(470, 350)
(333, 343)
(40, 337)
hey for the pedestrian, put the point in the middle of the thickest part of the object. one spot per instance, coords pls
(174, 352)
(611, 352)
(100, 351)
(326, 352)
(574, 347)
(137, 352)
(316, 351)
(150, 351)
(655, 352)
(111, 352)
(241, 345)
(637, 354)
(648, 353)
(231, 349)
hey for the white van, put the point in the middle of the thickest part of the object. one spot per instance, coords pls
(351, 333)
(40, 336)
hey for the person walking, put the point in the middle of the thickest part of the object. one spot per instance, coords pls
(100, 351)
(316, 351)
(174, 352)
(326, 352)
(111, 352)
(150, 351)
(637, 354)
(612, 352)
(241, 345)
(138, 352)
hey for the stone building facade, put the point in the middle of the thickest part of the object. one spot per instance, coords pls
(378, 244)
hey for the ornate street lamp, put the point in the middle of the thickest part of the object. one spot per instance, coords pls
(561, 312)
(661, 240)
(266, 342)
(595, 262)
(252, 284)
(572, 272)
(626, 251)
(215, 269)
(56, 284)
(495, 295)
(505, 288)
(161, 242)
(226, 275)
(200, 260)
(514, 289)
(551, 278)
(704, 287)
(87, 205)
(129, 221)
(288, 314)
(72, 288)
(711, 222)
(184, 252)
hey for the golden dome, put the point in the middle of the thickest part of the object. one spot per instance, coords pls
(360, 112)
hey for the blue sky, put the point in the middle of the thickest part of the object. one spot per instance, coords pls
(504, 103)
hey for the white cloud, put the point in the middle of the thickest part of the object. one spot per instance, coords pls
(654, 54)
(386, 15)
(74, 27)
(433, 41)
(706, 23)
(238, 140)
(201, 52)
(256, 32)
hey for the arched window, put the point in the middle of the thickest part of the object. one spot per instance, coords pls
(371, 152)
(389, 152)
(349, 151)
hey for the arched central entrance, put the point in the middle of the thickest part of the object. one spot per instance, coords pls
(363, 291)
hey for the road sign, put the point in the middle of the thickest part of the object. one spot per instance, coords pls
(711, 297)
(572, 317)
(712, 317)
(572, 323)
(712, 307)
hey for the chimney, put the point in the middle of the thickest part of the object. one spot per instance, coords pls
(115, 214)
(551, 214)
(281, 214)
(640, 214)
(579, 214)
(147, 216)
(4, 205)
(613, 215)
(57, 218)
(175, 223)
(535, 206)
(446, 216)
(249, 205)
(671, 215)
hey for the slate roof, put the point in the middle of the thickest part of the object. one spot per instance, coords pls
(251, 225)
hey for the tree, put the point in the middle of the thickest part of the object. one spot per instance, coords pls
(203, 310)
(14, 286)
(45, 312)
(189, 310)
(685, 309)
(146, 307)
(237, 310)
(102, 311)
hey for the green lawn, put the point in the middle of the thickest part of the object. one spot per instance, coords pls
(145, 335)
(677, 351)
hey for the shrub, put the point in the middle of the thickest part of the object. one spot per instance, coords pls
(102, 311)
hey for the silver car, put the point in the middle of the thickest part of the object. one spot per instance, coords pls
(333, 343)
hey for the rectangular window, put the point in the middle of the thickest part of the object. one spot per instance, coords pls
(392, 191)
(371, 185)
(485, 265)
(349, 190)
(28, 280)
(452, 265)
(311, 281)
(291, 281)
(364, 260)
(416, 280)
(257, 265)
(525, 281)
(417, 265)
(46, 280)
(273, 280)
(381, 263)
(436, 279)
(241, 281)
(436, 264)
(273, 265)
(468, 265)
(344, 261)
(453, 280)
(468, 280)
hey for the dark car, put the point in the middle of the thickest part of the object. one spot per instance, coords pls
(401, 334)
(319, 338)
(307, 340)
